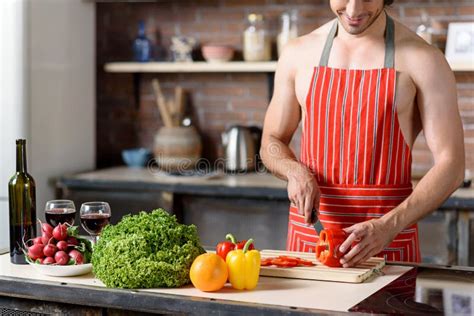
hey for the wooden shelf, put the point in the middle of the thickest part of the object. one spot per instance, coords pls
(463, 66)
(199, 66)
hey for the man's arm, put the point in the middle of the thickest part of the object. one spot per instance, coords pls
(442, 127)
(437, 103)
(281, 120)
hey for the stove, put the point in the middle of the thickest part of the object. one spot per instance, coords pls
(423, 291)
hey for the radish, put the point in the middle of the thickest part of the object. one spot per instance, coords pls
(61, 257)
(62, 245)
(60, 232)
(72, 241)
(46, 238)
(40, 261)
(76, 256)
(49, 250)
(48, 260)
(37, 240)
(46, 228)
(36, 252)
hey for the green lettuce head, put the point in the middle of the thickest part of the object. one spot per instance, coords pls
(147, 250)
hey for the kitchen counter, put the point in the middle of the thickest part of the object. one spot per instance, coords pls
(252, 185)
(249, 184)
(252, 204)
(401, 290)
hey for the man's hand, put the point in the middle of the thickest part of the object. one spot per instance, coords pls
(303, 192)
(369, 238)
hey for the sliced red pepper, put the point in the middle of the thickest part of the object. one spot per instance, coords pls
(298, 260)
(283, 263)
(266, 262)
(327, 248)
(306, 263)
(289, 258)
(286, 261)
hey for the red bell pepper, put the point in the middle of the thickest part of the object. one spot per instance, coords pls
(327, 248)
(241, 245)
(224, 247)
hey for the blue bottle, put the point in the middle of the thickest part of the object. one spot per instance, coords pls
(141, 45)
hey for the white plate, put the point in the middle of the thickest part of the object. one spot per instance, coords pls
(62, 271)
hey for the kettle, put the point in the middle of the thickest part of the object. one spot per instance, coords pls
(241, 145)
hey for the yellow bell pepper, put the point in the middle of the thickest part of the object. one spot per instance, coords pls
(244, 267)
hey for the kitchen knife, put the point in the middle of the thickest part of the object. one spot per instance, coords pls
(318, 227)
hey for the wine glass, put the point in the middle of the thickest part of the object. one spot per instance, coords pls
(94, 217)
(59, 212)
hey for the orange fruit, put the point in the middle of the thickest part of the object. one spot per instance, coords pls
(208, 272)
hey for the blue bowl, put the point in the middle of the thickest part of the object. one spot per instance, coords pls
(136, 157)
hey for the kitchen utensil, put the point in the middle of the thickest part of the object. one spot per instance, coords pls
(161, 103)
(177, 148)
(179, 103)
(240, 145)
(170, 104)
(357, 274)
(318, 227)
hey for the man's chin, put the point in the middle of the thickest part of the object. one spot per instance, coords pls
(354, 30)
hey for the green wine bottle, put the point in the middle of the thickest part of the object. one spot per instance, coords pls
(22, 205)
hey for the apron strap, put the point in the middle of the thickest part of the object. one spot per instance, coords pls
(323, 62)
(389, 44)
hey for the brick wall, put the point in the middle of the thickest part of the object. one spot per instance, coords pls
(217, 101)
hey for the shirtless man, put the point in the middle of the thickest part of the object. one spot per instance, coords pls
(363, 87)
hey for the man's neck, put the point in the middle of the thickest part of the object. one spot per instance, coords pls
(374, 31)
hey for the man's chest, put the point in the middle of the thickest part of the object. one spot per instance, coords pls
(306, 88)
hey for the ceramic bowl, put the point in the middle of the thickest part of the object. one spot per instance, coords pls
(217, 53)
(62, 271)
(136, 157)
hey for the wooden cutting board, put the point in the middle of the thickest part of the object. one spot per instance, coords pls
(357, 274)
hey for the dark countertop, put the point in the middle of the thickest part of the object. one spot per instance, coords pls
(250, 185)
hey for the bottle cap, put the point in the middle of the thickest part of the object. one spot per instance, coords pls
(253, 17)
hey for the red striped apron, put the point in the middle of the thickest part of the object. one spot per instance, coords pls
(352, 142)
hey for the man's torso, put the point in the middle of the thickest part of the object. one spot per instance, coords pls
(364, 54)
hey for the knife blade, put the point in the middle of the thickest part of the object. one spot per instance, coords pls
(317, 223)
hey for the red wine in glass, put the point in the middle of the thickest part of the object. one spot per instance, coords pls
(93, 223)
(58, 216)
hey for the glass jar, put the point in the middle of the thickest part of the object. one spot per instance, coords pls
(424, 30)
(288, 31)
(257, 45)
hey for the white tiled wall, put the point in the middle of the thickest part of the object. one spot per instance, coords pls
(62, 91)
(47, 92)
(13, 97)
